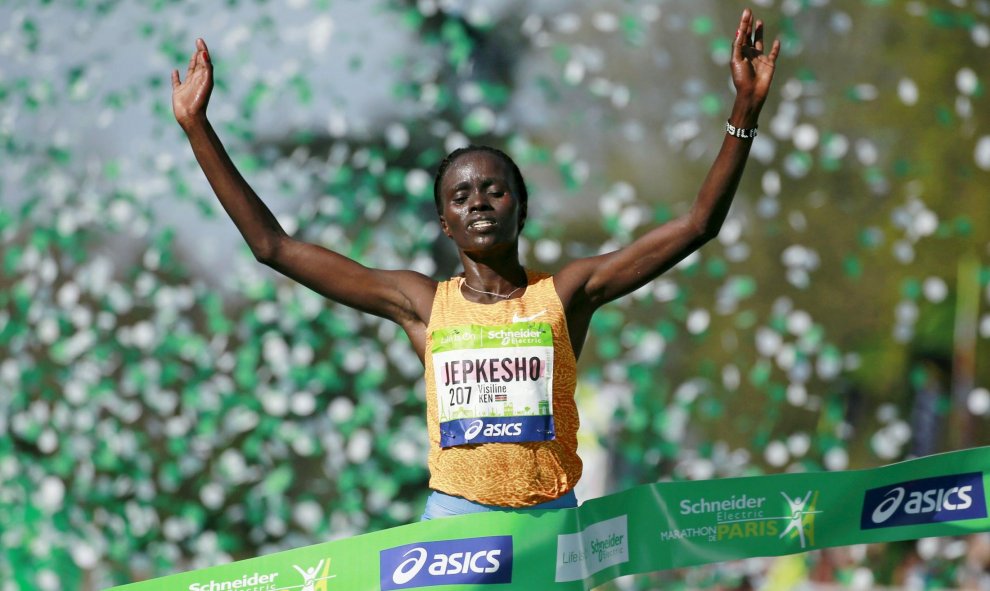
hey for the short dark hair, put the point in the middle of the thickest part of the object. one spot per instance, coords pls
(517, 178)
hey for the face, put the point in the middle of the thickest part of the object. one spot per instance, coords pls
(480, 208)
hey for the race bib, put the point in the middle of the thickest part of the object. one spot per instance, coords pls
(494, 383)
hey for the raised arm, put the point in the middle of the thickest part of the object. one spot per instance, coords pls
(402, 296)
(588, 283)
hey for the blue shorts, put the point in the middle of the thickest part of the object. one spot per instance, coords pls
(440, 505)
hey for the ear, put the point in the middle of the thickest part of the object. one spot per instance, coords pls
(523, 210)
(444, 227)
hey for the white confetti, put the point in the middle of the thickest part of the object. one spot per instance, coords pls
(907, 91)
(966, 81)
(698, 321)
(982, 152)
(319, 34)
(978, 402)
(776, 454)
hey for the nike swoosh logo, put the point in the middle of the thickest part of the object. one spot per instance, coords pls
(528, 318)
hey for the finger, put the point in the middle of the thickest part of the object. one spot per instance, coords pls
(201, 46)
(737, 44)
(758, 35)
(192, 64)
(175, 79)
(774, 51)
(744, 20)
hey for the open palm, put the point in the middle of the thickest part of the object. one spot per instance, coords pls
(752, 70)
(190, 98)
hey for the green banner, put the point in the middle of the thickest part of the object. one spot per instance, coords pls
(648, 528)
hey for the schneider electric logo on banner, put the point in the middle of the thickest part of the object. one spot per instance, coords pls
(314, 578)
(247, 582)
(471, 561)
(944, 498)
(598, 546)
(749, 517)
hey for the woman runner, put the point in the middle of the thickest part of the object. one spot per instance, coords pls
(499, 342)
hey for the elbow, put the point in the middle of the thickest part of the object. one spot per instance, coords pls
(705, 230)
(266, 251)
(263, 257)
(708, 233)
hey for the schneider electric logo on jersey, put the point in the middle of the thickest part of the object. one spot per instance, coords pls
(521, 336)
(749, 517)
(471, 561)
(596, 547)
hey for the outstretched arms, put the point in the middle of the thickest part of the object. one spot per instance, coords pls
(588, 283)
(189, 101)
(402, 296)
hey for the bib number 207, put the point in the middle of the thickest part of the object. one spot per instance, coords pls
(460, 395)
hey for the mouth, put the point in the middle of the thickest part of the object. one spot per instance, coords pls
(481, 225)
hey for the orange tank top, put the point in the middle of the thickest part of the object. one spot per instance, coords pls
(500, 407)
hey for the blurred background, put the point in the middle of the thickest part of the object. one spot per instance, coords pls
(167, 403)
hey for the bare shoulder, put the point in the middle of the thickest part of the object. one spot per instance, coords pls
(417, 292)
(571, 281)
(416, 289)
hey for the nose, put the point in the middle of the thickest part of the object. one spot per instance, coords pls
(477, 200)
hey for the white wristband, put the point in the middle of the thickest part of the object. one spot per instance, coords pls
(742, 133)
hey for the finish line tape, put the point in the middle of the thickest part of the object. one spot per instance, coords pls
(647, 528)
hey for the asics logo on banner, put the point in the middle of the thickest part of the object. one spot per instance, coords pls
(450, 562)
(928, 500)
(410, 567)
(472, 431)
(889, 506)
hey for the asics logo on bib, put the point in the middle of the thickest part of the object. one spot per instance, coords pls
(472, 431)
(451, 562)
(506, 429)
(492, 430)
(940, 499)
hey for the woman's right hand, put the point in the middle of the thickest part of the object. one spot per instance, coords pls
(189, 98)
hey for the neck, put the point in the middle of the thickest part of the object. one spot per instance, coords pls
(497, 276)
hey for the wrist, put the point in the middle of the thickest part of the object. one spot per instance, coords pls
(745, 112)
(743, 133)
(192, 123)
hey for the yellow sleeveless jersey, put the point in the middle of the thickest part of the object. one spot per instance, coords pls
(500, 407)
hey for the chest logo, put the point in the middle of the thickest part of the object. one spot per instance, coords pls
(516, 319)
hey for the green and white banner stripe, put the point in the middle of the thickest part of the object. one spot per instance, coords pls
(648, 528)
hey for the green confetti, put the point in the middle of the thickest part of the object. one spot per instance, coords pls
(702, 25)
